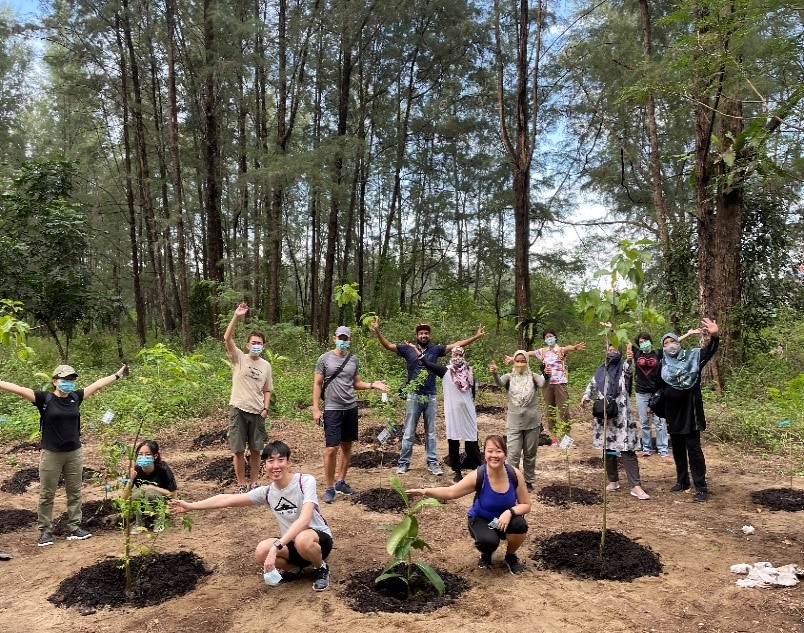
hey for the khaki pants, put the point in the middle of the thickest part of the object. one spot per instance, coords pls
(555, 397)
(52, 464)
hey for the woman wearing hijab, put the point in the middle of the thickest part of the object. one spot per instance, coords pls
(683, 406)
(622, 432)
(458, 382)
(523, 423)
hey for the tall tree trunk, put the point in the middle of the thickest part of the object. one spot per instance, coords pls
(139, 302)
(212, 193)
(151, 232)
(178, 191)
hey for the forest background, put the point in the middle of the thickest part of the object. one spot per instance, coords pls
(447, 161)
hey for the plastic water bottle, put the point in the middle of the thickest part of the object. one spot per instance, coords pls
(272, 578)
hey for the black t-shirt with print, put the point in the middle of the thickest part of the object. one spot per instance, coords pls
(162, 477)
(60, 420)
(648, 366)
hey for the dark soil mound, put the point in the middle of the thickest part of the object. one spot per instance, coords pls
(593, 462)
(18, 483)
(489, 409)
(372, 459)
(578, 554)
(545, 440)
(380, 500)
(561, 495)
(363, 404)
(11, 520)
(365, 596)
(209, 439)
(369, 435)
(488, 387)
(96, 516)
(220, 470)
(25, 447)
(157, 578)
(780, 499)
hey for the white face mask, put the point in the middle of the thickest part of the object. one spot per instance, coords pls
(256, 349)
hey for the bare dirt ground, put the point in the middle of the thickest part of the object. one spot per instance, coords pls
(696, 543)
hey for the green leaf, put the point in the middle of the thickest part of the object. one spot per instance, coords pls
(432, 575)
(397, 535)
(426, 502)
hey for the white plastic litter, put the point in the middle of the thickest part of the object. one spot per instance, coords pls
(748, 529)
(764, 574)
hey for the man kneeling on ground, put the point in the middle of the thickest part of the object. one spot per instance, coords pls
(305, 540)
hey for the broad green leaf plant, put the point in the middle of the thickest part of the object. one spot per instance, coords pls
(402, 540)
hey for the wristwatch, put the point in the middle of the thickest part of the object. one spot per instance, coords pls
(278, 544)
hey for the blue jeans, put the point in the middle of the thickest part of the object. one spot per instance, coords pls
(413, 409)
(644, 419)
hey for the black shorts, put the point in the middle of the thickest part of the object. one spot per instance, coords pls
(324, 540)
(340, 426)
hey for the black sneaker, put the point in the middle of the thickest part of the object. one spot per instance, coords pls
(321, 582)
(344, 488)
(485, 561)
(679, 488)
(514, 566)
(700, 496)
(290, 576)
(45, 539)
(78, 535)
(529, 486)
(457, 477)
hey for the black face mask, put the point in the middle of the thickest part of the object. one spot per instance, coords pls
(613, 357)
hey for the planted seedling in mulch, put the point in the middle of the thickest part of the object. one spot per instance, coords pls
(220, 470)
(18, 483)
(785, 499)
(390, 595)
(489, 409)
(578, 554)
(374, 459)
(563, 495)
(156, 578)
(96, 516)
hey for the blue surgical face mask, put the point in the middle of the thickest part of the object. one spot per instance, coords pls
(645, 346)
(144, 461)
(550, 340)
(342, 345)
(256, 350)
(66, 386)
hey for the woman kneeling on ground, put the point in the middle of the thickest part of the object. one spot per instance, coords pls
(501, 500)
(151, 479)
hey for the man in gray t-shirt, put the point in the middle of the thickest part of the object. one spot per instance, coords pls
(337, 375)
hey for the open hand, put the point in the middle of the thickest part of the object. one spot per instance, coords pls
(241, 310)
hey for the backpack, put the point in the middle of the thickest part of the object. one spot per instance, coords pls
(513, 478)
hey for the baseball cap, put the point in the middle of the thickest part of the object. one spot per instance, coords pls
(423, 326)
(63, 371)
(343, 331)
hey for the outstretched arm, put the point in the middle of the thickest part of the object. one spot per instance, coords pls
(211, 503)
(106, 380)
(23, 392)
(375, 327)
(445, 493)
(467, 341)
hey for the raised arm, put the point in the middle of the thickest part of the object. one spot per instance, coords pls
(228, 336)
(467, 341)
(375, 327)
(106, 380)
(22, 392)
(579, 347)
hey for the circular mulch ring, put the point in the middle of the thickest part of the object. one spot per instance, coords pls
(12, 520)
(545, 440)
(220, 470)
(366, 596)
(209, 439)
(562, 495)
(785, 499)
(96, 516)
(18, 483)
(489, 409)
(25, 447)
(372, 459)
(578, 554)
(157, 578)
(489, 387)
(380, 500)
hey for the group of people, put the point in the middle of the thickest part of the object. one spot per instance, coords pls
(667, 378)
